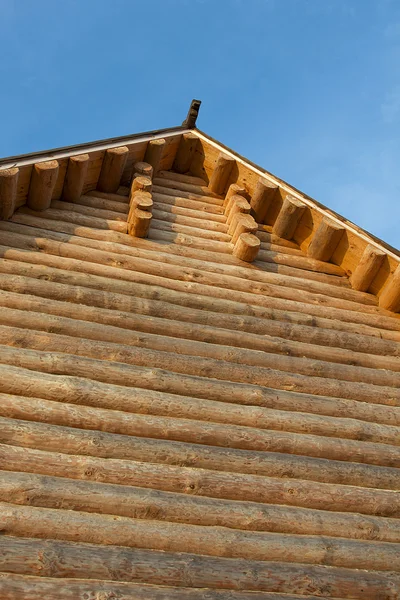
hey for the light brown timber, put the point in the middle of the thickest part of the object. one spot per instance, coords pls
(288, 217)
(153, 154)
(221, 174)
(113, 166)
(8, 192)
(390, 296)
(243, 223)
(367, 268)
(262, 198)
(75, 177)
(43, 181)
(143, 168)
(325, 240)
(246, 247)
(185, 153)
(139, 222)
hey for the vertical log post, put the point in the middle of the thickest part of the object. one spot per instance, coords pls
(185, 153)
(75, 177)
(368, 267)
(261, 199)
(154, 151)
(288, 217)
(239, 205)
(235, 189)
(220, 176)
(43, 180)
(243, 223)
(114, 162)
(325, 240)
(246, 247)
(142, 168)
(390, 296)
(8, 192)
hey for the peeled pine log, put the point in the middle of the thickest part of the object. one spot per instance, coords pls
(246, 247)
(137, 533)
(75, 177)
(197, 432)
(139, 222)
(193, 230)
(243, 223)
(262, 198)
(221, 174)
(182, 177)
(199, 193)
(325, 240)
(113, 166)
(367, 268)
(196, 213)
(288, 217)
(186, 150)
(144, 169)
(234, 189)
(174, 476)
(90, 211)
(103, 204)
(8, 192)
(390, 296)
(140, 183)
(56, 559)
(153, 154)
(43, 181)
(188, 221)
(143, 200)
(37, 588)
(134, 502)
(238, 205)
(186, 203)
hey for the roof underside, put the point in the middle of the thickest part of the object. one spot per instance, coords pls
(176, 422)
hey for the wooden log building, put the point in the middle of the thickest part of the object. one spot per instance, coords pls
(199, 381)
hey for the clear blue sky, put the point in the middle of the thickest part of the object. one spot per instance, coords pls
(308, 89)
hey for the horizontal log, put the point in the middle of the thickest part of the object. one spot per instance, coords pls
(114, 162)
(188, 144)
(188, 188)
(198, 214)
(75, 177)
(194, 205)
(77, 218)
(30, 489)
(109, 196)
(154, 152)
(301, 262)
(206, 224)
(56, 559)
(42, 184)
(102, 203)
(325, 240)
(221, 173)
(329, 417)
(135, 533)
(243, 223)
(74, 440)
(188, 365)
(8, 191)
(199, 432)
(37, 588)
(205, 484)
(201, 196)
(195, 231)
(100, 213)
(289, 217)
(367, 268)
(282, 323)
(266, 234)
(246, 247)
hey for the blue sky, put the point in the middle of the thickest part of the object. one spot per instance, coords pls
(308, 89)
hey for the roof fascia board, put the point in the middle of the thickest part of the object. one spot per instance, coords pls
(66, 151)
(314, 204)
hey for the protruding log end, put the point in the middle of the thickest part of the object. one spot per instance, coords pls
(142, 168)
(43, 180)
(190, 121)
(390, 296)
(261, 199)
(185, 153)
(114, 162)
(235, 189)
(238, 205)
(154, 151)
(139, 223)
(326, 238)
(289, 217)
(75, 177)
(140, 183)
(142, 200)
(220, 176)
(246, 247)
(243, 223)
(368, 267)
(8, 192)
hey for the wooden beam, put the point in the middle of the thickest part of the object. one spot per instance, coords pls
(262, 198)
(325, 240)
(238, 205)
(243, 223)
(114, 162)
(143, 200)
(246, 247)
(367, 268)
(8, 191)
(75, 177)
(43, 181)
(235, 189)
(221, 173)
(288, 217)
(390, 296)
(186, 150)
(139, 222)
(143, 168)
(140, 183)
(153, 155)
